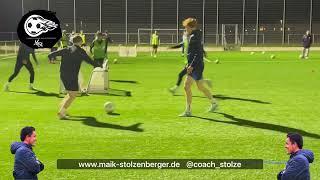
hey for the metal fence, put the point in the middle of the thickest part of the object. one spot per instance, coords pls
(259, 21)
(171, 38)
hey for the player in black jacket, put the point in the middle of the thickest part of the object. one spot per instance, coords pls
(195, 66)
(72, 58)
(23, 59)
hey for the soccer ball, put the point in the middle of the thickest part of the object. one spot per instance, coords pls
(115, 61)
(263, 52)
(217, 61)
(109, 107)
(272, 56)
(252, 53)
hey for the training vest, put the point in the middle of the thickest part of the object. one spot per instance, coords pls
(98, 49)
(83, 37)
(64, 41)
(155, 39)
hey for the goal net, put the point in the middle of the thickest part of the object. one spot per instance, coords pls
(230, 37)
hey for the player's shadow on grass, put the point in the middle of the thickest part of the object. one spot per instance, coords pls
(260, 125)
(223, 97)
(118, 92)
(124, 81)
(92, 121)
(39, 93)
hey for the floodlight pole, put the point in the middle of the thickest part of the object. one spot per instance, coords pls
(203, 20)
(311, 15)
(151, 23)
(74, 16)
(284, 21)
(243, 19)
(217, 24)
(22, 7)
(177, 21)
(257, 22)
(126, 21)
(100, 4)
(48, 5)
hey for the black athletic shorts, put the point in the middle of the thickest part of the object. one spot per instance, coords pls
(70, 82)
(155, 46)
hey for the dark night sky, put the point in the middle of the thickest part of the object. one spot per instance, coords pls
(164, 12)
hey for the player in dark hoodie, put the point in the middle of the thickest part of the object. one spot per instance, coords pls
(297, 167)
(195, 66)
(306, 42)
(71, 60)
(26, 164)
(23, 60)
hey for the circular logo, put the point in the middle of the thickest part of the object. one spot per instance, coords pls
(39, 29)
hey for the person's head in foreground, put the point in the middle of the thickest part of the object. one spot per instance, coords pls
(26, 164)
(77, 40)
(294, 142)
(28, 135)
(298, 165)
(190, 24)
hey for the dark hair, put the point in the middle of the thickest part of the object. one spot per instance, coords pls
(77, 39)
(26, 131)
(296, 138)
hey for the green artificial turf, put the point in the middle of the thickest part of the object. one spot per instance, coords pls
(260, 99)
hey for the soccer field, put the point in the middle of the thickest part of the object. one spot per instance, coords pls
(260, 100)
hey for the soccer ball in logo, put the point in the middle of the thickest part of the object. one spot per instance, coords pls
(35, 25)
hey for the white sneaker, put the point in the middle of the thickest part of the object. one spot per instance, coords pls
(213, 107)
(6, 88)
(186, 114)
(173, 90)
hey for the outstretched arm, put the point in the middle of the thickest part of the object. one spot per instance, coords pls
(88, 60)
(57, 53)
(177, 46)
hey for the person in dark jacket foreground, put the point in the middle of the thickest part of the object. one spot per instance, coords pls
(297, 168)
(26, 164)
(306, 42)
